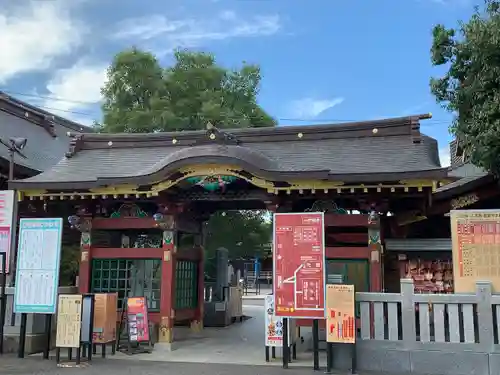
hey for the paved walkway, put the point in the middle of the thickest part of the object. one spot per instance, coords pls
(10, 365)
(239, 343)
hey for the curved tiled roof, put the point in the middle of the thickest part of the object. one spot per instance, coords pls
(382, 150)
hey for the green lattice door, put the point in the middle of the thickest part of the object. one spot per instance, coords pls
(128, 278)
(186, 284)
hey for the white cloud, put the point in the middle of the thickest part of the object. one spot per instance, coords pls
(444, 156)
(33, 34)
(309, 108)
(190, 32)
(76, 89)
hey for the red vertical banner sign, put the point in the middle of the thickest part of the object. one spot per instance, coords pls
(299, 265)
(137, 317)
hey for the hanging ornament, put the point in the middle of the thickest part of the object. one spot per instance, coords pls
(212, 183)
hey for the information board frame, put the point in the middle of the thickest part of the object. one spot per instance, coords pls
(26, 229)
(290, 220)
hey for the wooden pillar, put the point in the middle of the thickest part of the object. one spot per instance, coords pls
(84, 271)
(375, 247)
(167, 299)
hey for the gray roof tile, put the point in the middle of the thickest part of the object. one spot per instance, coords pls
(42, 151)
(332, 149)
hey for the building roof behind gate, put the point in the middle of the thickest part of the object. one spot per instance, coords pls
(46, 134)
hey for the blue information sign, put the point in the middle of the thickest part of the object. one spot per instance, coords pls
(37, 269)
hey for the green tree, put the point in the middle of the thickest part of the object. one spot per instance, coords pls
(141, 96)
(243, 233)
(470, 88)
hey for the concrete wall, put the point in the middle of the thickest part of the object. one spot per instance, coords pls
(427, 333)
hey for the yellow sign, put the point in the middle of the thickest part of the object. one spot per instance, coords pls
(69, 316)
(340, 319)
(475, 236)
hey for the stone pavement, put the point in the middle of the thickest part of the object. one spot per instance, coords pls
(239, 344)
(11, 365)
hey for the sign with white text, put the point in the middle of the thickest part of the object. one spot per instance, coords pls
(37, 270)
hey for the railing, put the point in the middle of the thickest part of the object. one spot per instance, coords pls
(462, 328)
(263, 275)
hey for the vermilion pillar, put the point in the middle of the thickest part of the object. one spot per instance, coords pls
(167, 308)
(85, 255)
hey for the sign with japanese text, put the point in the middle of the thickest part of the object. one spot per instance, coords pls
(38, 264)
(274, 325)
(299, 265)
(475, 236)
(69, 320)
(340, 318)
(6, 224)
(137, 319)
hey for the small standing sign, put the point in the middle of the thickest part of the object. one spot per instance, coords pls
(340, 320)
(69, 327)
(274, 329)
(69, 321)
(135, 317)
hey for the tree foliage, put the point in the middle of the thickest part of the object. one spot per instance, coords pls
(243, 233)
(470, 88)
(142, 96)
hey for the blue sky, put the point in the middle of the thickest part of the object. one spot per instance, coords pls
(322, 60)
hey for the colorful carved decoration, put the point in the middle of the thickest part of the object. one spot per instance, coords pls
(212, 183)
(85, 241)
(326, 206)
(373, 219)
(168, 237)
(164, 221)
(128, 210)
(374, 240)
(464, 201)
(409, 217)
(83, 224)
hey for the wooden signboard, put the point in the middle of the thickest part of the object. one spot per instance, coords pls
(105, 307)
(69, 315)
(341, 319)
(475, 238)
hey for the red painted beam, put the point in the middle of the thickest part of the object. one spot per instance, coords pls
(336, 220)
(349, 237)
(347, 252)
(116, 253)
(124, 223)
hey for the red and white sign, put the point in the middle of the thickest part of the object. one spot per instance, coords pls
(299, 265)
(6, 223)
